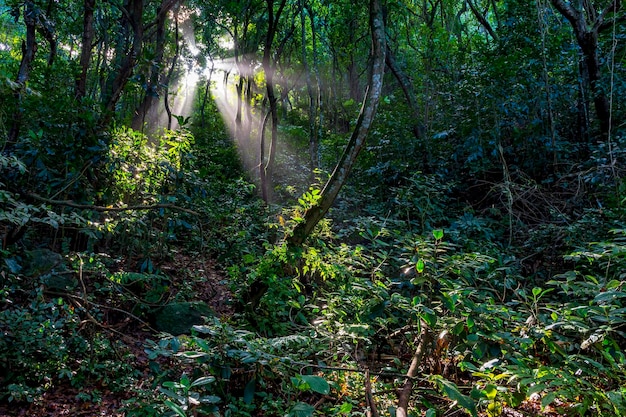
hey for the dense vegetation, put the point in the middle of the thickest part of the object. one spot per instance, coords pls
(300, 207)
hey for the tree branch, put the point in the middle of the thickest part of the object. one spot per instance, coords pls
(405, 393)
(568, 11)
(482, 20)
(600, 24)
(369, 397)
(70, 203)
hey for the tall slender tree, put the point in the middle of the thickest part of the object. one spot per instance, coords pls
(269, 67)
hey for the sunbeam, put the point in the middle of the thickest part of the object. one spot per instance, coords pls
(243, 114)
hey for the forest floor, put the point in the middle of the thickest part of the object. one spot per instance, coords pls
(209, 285)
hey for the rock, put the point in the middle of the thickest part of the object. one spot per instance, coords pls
(61, 282)
(178, 318)
(42, 261)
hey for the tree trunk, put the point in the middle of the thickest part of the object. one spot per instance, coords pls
(170, 73)
(357, 140)
(313, 139)
(29, 48)
(46, 29)
(207, 93)
(155, 80)
(409, 94)
(269, 68)
(404, 395)
(238, 115)
(86, 47)
(132, 17)
(314, 146)
(587, 38)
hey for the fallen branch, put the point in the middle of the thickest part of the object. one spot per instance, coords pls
(404, 395)
(70, 203)
(369, 397)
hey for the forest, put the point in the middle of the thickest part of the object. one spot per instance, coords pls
(312, 208)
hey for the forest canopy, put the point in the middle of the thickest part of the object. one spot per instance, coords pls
(307, 207)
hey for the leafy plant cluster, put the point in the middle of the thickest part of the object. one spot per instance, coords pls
(365, 306)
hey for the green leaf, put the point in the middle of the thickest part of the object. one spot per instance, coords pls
(547, 400)
(431, 412)
(419, 267)
(470, 323)
(248, 392)
(537, 291)
(172, 384)
(302, 410)
(452, 391)
(203, 381)
(438, 234)
(609, 296)
(430, 319)
(317, 383)
(345, 408)
(210, 399)
(177, 409)
(490, 391)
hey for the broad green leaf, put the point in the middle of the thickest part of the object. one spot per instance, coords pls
(419, 267)
(203, 381)
(609, 295)
(430, 319)
(249, 390)
(438, 234)
(317, 383)
(535, 388)
(431, 412)
(172, 394)
(470, 323)
(345, 408)
(210, 399)
(452, 391)
(302, 410)
(172, 384)
(547, 400)
(490, 391)
(177, 409)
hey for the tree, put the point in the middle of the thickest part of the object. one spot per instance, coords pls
(34, 19)
(265, 167)
(587, 25)
(127, 52)
(331, 189)
(86, 48)
(155, 77)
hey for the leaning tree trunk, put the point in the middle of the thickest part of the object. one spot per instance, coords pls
(409, 94)
(357, 140)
